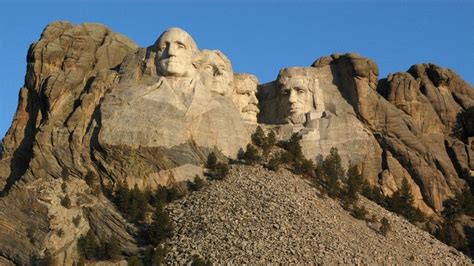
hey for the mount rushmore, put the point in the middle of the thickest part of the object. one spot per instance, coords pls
(94, 103)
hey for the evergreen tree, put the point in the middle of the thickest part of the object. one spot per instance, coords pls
(305, 167)
(197, 184)
(112, 248)
(333, 172)
(66, 202)
(258, 138)
(373, 193)
(464, 127)
(251, 154)
(271, 139)
(211, 161)
(155, 256)
(137, 205)
(89, 178)
(385, 227)
(161, 227)
(402, 201)
(452, 209)
(173, 193)
(122, 197)
(222, 170)
(353, 184)
(449, 235)
(134, 261)
(88, 245)
(294, 147)
(273, 164)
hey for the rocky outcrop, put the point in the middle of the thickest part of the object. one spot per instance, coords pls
(410, 129)
(256, 216)
(69, 70)
(95, 104)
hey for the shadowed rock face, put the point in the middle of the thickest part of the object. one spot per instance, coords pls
(94, 103)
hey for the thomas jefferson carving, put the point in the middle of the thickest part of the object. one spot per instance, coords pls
(214, 70)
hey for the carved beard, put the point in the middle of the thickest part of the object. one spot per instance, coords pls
(297, 118)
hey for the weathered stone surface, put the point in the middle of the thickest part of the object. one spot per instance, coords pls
(244, 96)
(326, 115)
(94, 103)
(419, 148)
(69, 69)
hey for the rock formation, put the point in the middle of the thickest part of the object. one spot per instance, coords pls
(95, 104)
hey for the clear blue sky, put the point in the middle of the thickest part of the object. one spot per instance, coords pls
(258, 38)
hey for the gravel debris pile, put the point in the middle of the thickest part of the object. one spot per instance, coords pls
(259, 216)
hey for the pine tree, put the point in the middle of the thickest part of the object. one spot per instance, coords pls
(271, 139)
(134, 261)
(122, 197)
(305, 167)
(258, 138)
(211, 161)
(464, 127)
(294, 147)
(354, 183)
(402, 201)
(273, 164)
(89, 178)
(155, 256)
(385, 227)
(222, 170)
(161, 227)
(88, 245)
(333, 172)
(66, 202)
(251, 155)
(112, 248)
(137, 205)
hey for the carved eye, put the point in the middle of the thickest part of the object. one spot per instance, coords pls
(285, 92)
(181, 46)
(161, 48)
(300, 90)
(208, 67)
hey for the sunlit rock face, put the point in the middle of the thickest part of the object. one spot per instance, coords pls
(214, 72)
(245, 98)
(182, 113)
(175, 50)
(96, 105)
(299, 94)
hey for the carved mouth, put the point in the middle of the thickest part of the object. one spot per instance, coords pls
(251, 108)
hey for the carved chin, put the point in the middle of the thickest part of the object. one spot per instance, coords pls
(296, 118)
(250, 117)
(172, 69)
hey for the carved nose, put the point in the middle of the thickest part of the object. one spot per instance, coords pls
(292, 98)
(253, 99)
(217, 72)
(171, 50)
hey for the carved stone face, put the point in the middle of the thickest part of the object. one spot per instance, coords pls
(244, 97)
(215, 72)
(296, 95)
(175, 50)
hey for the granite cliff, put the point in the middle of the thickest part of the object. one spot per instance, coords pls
(96, 105)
